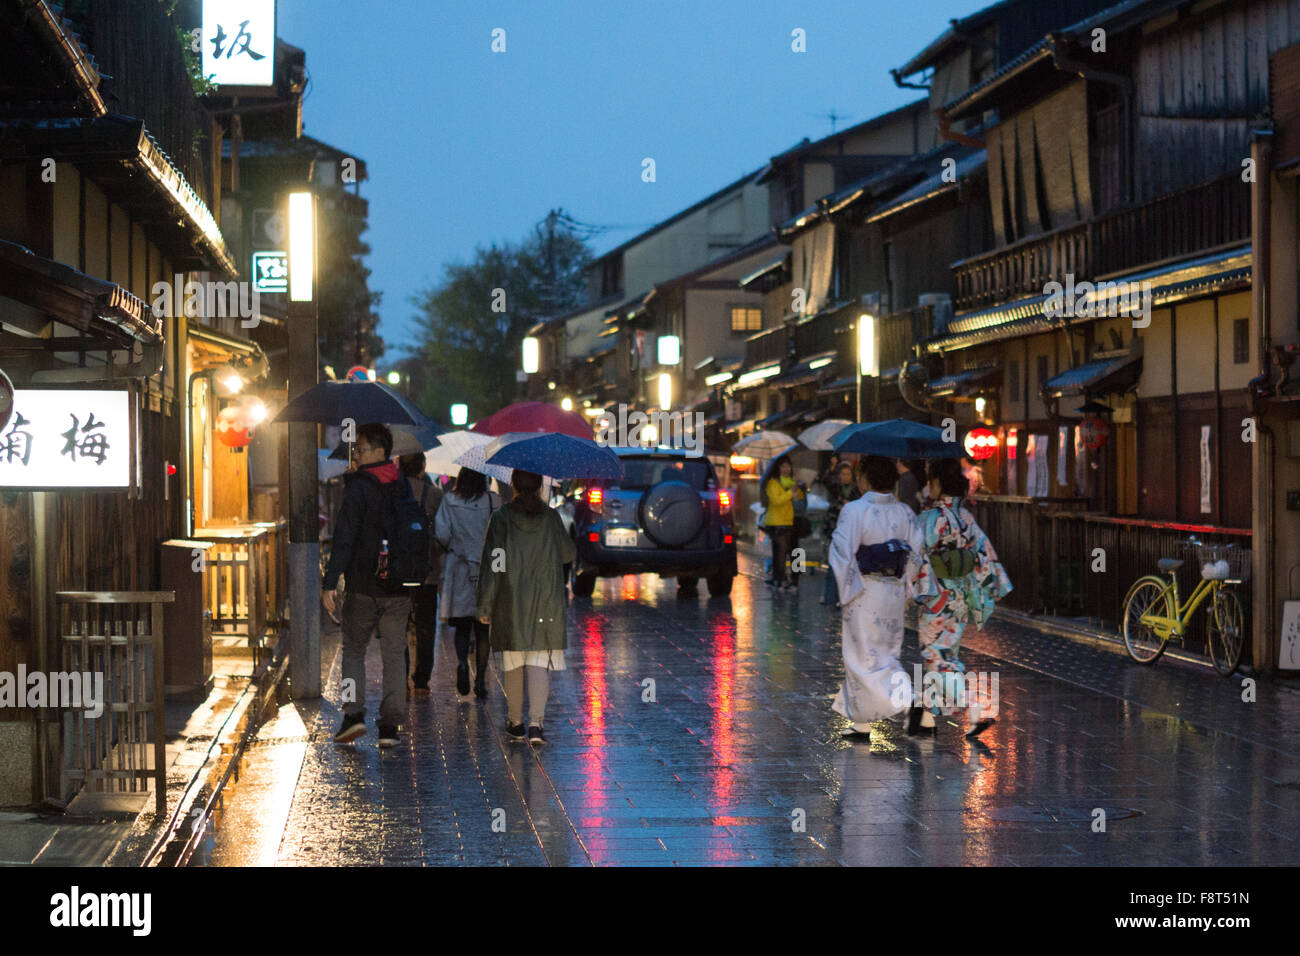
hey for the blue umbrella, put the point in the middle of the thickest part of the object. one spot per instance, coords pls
(329, 403)
(553, 454)
(896, 438)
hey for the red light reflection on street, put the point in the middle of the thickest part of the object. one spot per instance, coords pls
(594, 692)
(722, 631)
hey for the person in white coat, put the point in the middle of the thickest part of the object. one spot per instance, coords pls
(874, 602)
(461, 526)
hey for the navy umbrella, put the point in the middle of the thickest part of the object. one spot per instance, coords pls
(329, 403)
(407, 439)
(896, 438)
(553, 454)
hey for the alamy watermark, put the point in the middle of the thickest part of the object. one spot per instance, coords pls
(945, 689)
(683, 430)
(74, 690)
(208, 300)
(1099, 300)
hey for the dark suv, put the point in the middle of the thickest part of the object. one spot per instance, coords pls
(665, 516)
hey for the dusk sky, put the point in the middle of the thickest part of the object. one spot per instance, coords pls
(466, 147)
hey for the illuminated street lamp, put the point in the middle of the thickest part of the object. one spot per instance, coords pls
(302, 247)
(459, 414)
(532, 355)
(304, 512)
(868, 359)
(665, 391)
(394, 378)
(566, 403)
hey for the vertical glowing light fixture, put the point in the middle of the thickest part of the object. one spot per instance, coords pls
(459, 414)
(868, 360)
(532, 355)
(665, 391)
(302, 247)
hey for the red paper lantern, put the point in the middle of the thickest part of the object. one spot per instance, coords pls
(234, 426)
(1094, 431)
(981, 443)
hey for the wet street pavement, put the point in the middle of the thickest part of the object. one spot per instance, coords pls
(699, 731)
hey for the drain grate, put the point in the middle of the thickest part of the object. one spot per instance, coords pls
(1025, 814)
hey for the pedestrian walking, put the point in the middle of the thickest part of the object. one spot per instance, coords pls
(424, 600)
(360, 553)
(841, 488)
(875, 552)
(958, 584)
(460, 528)
(781, 492)
(521, 595)
(909, 484)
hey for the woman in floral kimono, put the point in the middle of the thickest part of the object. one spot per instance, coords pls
(959, 583)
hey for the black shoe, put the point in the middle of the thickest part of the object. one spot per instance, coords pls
(984, 724)
(354, 726)
(462, 678)
(517, 732)
(480, 686)
(856, 735)
(914, 721)
(535, 735)
(387, 735)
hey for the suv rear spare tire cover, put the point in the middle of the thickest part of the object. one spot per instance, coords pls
(672, 513)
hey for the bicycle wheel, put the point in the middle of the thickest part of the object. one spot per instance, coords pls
(1146, 596)
(1227, 631)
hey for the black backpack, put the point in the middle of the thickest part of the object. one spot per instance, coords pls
(405, 525)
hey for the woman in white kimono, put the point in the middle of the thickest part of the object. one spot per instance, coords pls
(875, 686)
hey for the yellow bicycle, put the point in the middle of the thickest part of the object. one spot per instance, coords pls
(1154, 614)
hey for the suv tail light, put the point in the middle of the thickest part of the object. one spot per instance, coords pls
(596, 500)
(724, 501)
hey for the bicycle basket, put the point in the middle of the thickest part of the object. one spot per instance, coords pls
(1223, 562)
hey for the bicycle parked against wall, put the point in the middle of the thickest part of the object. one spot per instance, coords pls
(1154, 613)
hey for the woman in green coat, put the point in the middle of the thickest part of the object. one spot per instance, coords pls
(521, 594)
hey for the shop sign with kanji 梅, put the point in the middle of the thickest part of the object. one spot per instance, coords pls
(67, 438)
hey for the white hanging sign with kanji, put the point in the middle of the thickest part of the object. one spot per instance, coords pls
(67, 439)
(238, 40)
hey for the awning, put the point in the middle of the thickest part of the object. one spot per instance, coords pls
(759, 381)
(1113, 373)
(767, 277)
(845, 384)
(119, 153)
(933, 187)
(42, 300)
(779, 418)
(964, 383)
(1203, 275)
(804, 372)
(213, 349)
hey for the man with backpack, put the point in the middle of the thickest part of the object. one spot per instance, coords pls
(381, 546)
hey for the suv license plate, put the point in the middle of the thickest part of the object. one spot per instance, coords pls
(620, 538)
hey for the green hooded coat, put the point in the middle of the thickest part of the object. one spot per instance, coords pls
(521, 587)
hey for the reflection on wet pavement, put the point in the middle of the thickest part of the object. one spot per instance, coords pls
(699, 731)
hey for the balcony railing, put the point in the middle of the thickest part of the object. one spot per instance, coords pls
(1206, 216)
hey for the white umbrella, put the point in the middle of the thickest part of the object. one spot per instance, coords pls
(765, 444)
(475, 459)
(818, 437)
(441, 458)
